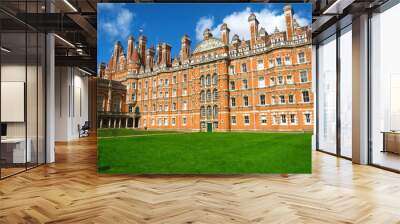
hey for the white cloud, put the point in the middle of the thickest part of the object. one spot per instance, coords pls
(119, 25)
(238, 23)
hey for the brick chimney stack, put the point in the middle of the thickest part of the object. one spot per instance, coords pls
(253, 22)
(159, 53)
(289, 21)
(185, 47)
(150, 57)
(225, 33)
(131, 45)
(166, 55)
(142, 49)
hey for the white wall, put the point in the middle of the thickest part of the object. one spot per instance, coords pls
(71, 102)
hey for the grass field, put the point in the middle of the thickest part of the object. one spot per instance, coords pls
(126, 151)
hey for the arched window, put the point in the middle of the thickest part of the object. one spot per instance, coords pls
(208, 80)
(208, 95)
(215, 94)
(202, 80)
(209, 112)
(202, 112)
(202, 96)
(215, 79)
(215, 111)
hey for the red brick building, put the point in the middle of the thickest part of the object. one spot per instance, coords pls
(225, 84)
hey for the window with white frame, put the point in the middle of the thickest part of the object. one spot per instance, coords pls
(271, 63)
(283, 119)
(184, 121)
(173, 121)
(307, 118)
(232, 85)
(282, 99)
(261, 82)
(263, 119)
(290, 98)
(287, 60)
(262, 99)
(301, 57)
(245, 84)
(233, 102)
(215, 94)
(280, 80)
(173, 106)
(306, 96)
(184, 92)
(208, 80)
(160, 94)
(184, 78)
(246, 101)
(233, 120)
(166, 82)
(159, 121)
(244, 67)
(174, 80)
(160, 82)
(184, 105)
(289, 79)
(215, 79)
(202, 112)
(246, 119)
(166, 94)
(166, 121)
(134, 85)
(202, 80)
(260, 64)
(174, 92)
(303, 76)
(273, 100)
(231, 70)
(202, 96)
(208, 95)
(152, 122)
(279, 61)
(272, 81)
(275, 119)
(166, 107)
(293, 119)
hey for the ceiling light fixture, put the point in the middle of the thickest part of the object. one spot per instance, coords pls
(70, 5)
(64, 40)
(5, 50)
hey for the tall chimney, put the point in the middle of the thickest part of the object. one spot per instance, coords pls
(166, 54)
(225, 33)
(142, 49)
(185, 47)
(159, 53)
(150, 57)
(131, 45)
(289, 21)
(253, 29)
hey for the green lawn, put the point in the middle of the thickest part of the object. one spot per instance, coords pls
(156, 152)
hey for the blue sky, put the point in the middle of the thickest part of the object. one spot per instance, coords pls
(169, 22)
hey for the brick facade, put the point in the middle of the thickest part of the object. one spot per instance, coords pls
(261, 84)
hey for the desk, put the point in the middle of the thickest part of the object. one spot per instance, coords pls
(13, 150)
(391, 141)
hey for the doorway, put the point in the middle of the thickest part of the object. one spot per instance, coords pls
(209, 127)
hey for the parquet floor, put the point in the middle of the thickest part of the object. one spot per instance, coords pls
(70, 191)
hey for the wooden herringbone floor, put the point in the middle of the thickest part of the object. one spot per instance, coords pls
(70, 191)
